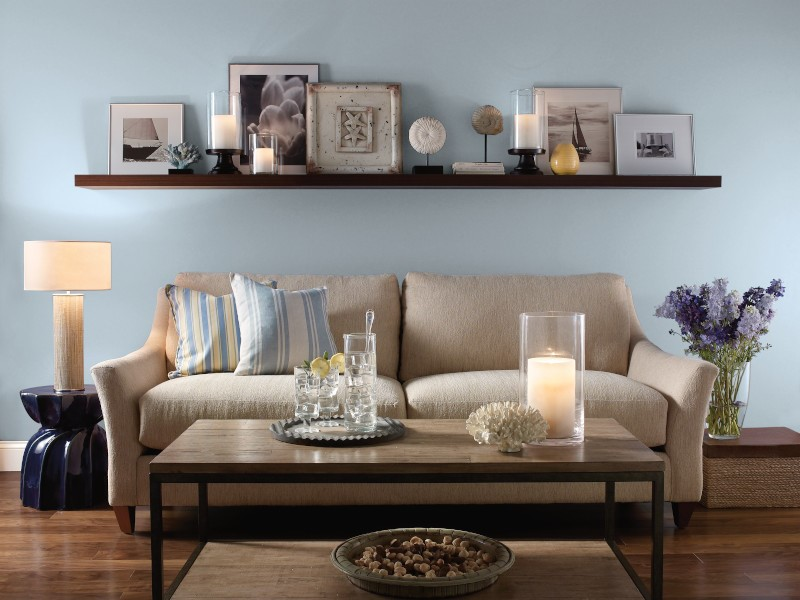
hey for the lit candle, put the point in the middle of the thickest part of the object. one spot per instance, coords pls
(262, 160)
(551, 389)
(526, 131)
(223, 132)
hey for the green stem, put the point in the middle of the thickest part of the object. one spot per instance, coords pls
(723, 412)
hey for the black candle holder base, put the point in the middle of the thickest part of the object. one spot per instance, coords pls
(527, 161)
(224, 164)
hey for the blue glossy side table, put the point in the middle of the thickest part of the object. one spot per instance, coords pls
(65, 464)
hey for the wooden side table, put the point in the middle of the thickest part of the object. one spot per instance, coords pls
(65, 464)
(760, 469)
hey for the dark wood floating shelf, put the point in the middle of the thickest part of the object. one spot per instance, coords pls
(133, 182)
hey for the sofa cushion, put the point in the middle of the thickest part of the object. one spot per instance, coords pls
(465, 323)
(637, 407)
(280, 329)
(349, 297)
(169, 408)
(207, 329)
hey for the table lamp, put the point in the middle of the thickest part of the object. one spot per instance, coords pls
(66, 266)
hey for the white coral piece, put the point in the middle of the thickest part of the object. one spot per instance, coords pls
(180, 156)
(507, 424)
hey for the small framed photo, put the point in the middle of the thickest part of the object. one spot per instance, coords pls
(654, 144)
(274, 101)
(354, 128)
(583, 117)
(137, 132)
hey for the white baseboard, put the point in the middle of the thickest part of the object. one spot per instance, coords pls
(11, 455)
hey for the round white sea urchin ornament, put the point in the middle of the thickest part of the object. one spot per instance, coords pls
(427, 135)
(487, 120)
(507, 424)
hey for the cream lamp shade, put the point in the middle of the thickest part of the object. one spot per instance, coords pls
(66, 266)
(63, 266)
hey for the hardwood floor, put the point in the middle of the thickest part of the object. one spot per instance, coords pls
(724, 553)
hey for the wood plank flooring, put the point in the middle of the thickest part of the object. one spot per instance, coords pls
(724, 553)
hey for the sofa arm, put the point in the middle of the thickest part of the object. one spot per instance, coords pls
(120, 383)
(686, 383)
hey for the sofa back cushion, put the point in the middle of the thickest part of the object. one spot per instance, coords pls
(349, 297)
(455, 323)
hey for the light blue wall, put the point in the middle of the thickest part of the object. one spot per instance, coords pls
(731, 63)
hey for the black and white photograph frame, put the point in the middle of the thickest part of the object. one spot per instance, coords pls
(274, 99)
(585, 118)
(354, 128)
(137, 133)
(654, 144)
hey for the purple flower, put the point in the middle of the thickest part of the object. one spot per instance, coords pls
(714, 321)
(776, 288)
(752, 323)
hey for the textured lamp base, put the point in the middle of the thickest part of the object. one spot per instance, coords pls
(68, 342)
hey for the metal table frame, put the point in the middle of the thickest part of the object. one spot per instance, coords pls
(656, 478)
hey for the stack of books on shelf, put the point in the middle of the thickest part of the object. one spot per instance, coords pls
(478, 168)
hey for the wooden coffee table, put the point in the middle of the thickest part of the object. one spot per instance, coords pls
(212, 451)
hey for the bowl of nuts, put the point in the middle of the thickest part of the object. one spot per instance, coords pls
(422, 562)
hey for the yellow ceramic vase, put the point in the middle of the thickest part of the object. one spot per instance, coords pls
(564, 160)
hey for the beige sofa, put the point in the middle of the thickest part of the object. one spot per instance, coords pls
(446, 345)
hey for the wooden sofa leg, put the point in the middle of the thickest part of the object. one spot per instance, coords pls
(126, 518)
(682, 513)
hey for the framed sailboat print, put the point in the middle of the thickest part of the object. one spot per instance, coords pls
(583, 117)
(136, 135)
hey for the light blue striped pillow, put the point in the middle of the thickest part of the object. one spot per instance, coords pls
(208, 332)
(279, 328)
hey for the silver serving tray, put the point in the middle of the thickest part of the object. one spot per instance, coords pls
(387, 429)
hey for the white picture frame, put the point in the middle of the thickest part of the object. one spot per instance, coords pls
(368, 115)
(654, 144)
(595, 109)
(274, 100)
(136, 132)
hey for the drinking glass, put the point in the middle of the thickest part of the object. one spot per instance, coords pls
(360, 402)
(329, 399)
(306, 399)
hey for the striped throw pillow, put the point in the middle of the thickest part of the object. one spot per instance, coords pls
(279, 328)
(208, 332)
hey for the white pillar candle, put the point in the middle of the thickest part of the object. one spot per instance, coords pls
(223, 132)
(526, 131)
(262, 160)
(551, 389)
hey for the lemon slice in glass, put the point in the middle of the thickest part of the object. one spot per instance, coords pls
(337, 362)
(320, 367)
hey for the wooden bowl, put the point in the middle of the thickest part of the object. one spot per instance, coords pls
(418, 587)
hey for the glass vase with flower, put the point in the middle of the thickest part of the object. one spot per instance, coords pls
(723, 328)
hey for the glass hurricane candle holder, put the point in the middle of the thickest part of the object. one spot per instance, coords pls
(263, 151)
(551, 367)
(224, 130)
(527, 112)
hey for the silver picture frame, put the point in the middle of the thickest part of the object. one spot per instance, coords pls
(654, 144)
(274, 98)
(585, 118)
(136, 133)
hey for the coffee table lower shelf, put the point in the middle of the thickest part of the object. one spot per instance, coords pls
(293, 570)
